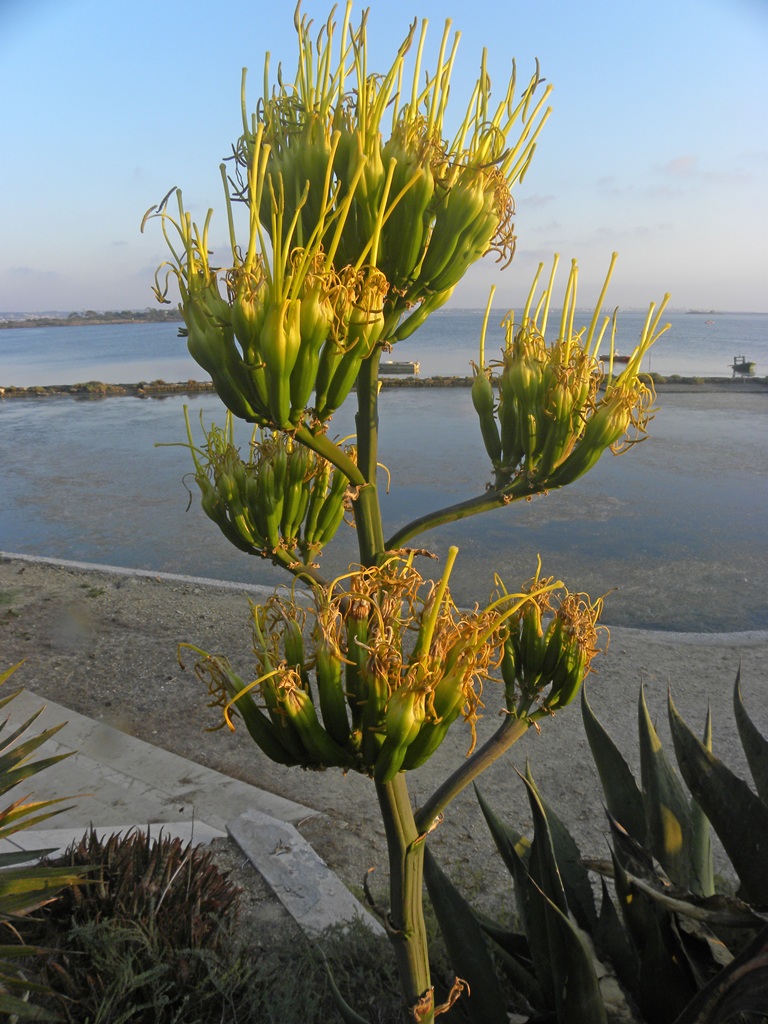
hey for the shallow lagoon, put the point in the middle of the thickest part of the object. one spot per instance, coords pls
(675, 529)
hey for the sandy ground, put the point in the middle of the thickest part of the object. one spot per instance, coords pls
(105, 645)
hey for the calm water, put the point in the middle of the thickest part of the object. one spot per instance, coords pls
(121, 353)
(675, 528)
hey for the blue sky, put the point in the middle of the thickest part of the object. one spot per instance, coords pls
(657, 146)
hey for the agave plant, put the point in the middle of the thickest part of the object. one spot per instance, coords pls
(361, 216)
(162, 912)
(663, 945)
(25, 886)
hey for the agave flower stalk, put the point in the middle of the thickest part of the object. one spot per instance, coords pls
(362, 216)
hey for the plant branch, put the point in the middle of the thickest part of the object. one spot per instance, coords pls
(323, 446)
(508, 733)
(485, 502)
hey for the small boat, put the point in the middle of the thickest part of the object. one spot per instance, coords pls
(616, 358)
(741, 364)
(391, 366)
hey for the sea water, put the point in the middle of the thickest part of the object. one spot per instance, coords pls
(673, 532)
(697, 344)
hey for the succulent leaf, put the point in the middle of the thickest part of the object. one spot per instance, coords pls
(622, 794)
(754, 743)
(667, 806)
(739, 817)
(466, 946)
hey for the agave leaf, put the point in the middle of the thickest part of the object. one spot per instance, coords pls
(622, 795)
(573, 875)
(512, 846)
(23, 750)
(27, 887)
(18, 816)
(466, 947)
(6, 674)
(549, 945)
(634, 859)
(578, 996)
(24, 772)
(520, 973)
(24, 1010)
(738, 816)
(663, 986)
(740, 988)
(667, 807)
(689, 918)
(7, 740)
(702, 876)
(544, 868)
(512, 942)
(752, 740)
(714, 911)
(611, 941)
(515, 851)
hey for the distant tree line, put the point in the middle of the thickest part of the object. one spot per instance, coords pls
(91, 316)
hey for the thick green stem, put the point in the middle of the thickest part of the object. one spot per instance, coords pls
(370, 532)
(508, 733)
(405, 925)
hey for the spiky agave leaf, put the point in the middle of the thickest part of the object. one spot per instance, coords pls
(622, 794)
(667, 806)
(752, 740)
(739, 817)
(466, 946)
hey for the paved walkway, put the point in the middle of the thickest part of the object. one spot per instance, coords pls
(113, 782)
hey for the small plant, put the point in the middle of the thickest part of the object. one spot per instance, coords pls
(177, 888)
(663, 946)
(157, 911)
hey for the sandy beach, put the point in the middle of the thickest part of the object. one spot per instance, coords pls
(104, 643)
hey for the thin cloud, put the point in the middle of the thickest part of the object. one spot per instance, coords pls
(537, 201)
(685, 166)
(24, 271)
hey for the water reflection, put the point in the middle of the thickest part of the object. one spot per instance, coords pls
(675, 529)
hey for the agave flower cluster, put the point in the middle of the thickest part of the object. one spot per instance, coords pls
(284, 502)
(559, 408)
(361, 219)
(551, 641)
(393, 664)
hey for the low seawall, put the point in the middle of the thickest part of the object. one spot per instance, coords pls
(160, 388)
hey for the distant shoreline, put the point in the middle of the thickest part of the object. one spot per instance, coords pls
(92, 319)
(160, 388)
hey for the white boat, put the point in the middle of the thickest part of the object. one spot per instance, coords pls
(391, 367)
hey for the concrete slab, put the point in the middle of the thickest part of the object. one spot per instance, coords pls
(114, 782)
(311, 893)
(121, 781)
